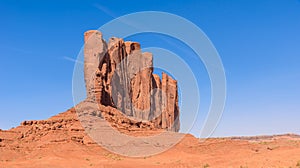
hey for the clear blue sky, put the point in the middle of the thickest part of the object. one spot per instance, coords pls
(258, 42)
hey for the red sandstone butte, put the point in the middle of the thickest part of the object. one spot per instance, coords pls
(119, 75)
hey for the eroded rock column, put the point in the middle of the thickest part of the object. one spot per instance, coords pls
(94, 50)
(170, 109)
(121, 76)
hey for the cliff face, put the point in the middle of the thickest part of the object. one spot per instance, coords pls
(119, 75)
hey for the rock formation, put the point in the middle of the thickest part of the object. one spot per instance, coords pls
(119, 75)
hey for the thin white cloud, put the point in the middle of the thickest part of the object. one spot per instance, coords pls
(72, 60)
(105, 10)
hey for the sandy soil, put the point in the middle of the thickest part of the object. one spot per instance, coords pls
(61, 142)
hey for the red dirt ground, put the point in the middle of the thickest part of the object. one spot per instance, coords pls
(61, 141)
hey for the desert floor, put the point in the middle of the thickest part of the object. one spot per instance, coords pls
(61, 142)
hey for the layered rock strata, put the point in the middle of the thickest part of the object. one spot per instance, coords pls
(119, 75)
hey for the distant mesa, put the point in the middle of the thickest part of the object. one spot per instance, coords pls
(118, 75)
